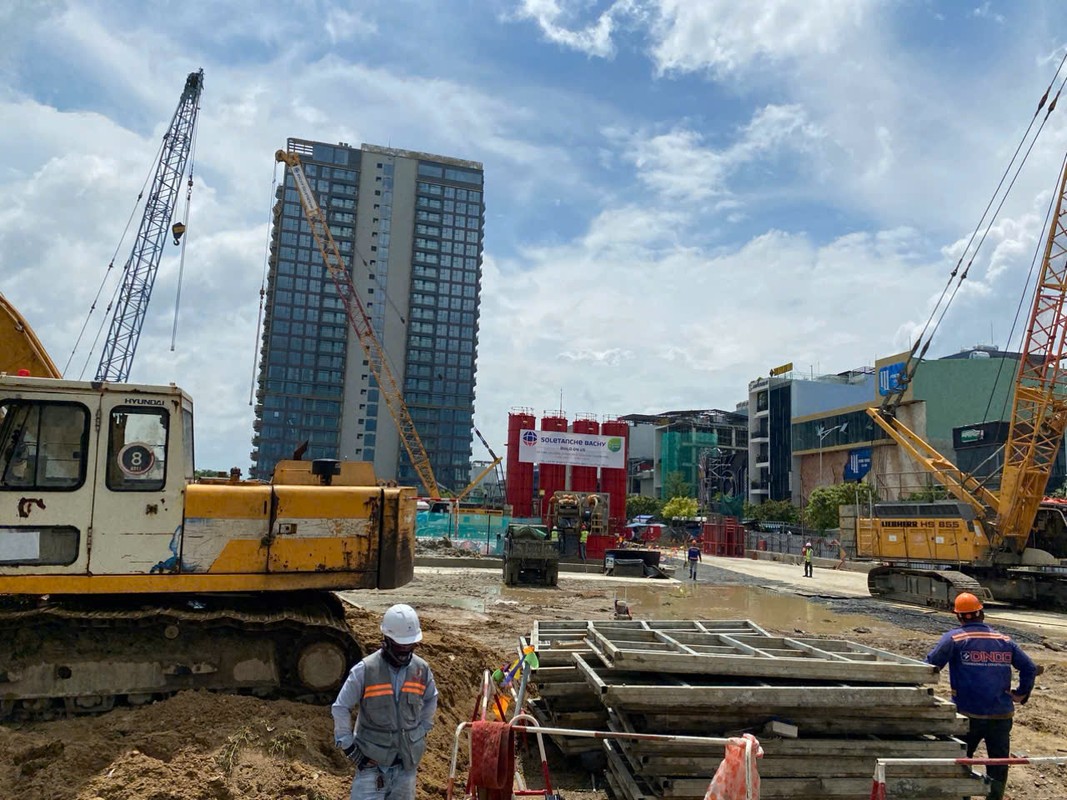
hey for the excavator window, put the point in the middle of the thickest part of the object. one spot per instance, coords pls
(137, 449)
(43, 445)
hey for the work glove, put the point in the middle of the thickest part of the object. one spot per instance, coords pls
(352, 753)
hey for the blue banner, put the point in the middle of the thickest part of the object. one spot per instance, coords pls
(858, 464)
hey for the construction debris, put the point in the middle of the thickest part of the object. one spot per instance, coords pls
(823, 710)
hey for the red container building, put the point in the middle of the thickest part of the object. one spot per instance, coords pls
(723, 536)
(613, 481)
(584, 479)
(519, 481)
(553, 477)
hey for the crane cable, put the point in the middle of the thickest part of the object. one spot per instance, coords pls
(920, 347)
(258, 347)
(110, 267)
(185, 225)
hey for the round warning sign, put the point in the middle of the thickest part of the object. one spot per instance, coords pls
(136, 459)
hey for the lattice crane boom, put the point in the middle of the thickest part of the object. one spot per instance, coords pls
(1039, 407)
(361, 324)
(139, 273)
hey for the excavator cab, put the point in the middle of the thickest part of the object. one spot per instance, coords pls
(81, 468)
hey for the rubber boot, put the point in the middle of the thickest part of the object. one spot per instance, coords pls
(996, 791)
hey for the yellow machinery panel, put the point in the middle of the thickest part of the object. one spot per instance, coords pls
(921, 539)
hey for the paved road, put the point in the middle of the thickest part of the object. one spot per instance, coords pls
(848, 590)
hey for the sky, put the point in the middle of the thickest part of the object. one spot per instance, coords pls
(680, 194)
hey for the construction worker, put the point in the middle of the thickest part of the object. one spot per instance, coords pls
(807, 552)
(396, 696)
(693, 557)
(583, 538)
(980, 661)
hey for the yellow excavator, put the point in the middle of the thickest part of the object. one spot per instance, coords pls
(124, 578)
(1009, 545)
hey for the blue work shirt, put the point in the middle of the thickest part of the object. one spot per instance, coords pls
(694, 553)
(980, 661)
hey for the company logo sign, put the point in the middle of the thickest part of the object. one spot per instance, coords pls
(972, 435)
(858, 464)
(572, 449)
(890, 378)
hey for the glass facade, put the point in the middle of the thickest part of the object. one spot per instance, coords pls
(434, 257)
(442, 343)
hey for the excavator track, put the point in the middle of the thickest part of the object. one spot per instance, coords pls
(932, 588)
(85, 655)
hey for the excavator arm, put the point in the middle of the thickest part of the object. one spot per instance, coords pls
(361, 324)
(1039, 412)
(19, 346)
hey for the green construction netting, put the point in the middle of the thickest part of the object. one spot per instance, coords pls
(680, 452)
(483, 533)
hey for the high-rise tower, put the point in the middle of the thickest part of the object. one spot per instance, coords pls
(410, 226)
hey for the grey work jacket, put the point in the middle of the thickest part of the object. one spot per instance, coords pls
(387, 726)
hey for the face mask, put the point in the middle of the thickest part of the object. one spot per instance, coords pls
(398, 655)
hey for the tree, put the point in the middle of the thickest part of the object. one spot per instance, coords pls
(676, 486)
(680, 507)
(638, 505)
(773, 511)
(824, 503)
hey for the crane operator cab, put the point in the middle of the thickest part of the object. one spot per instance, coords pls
(82, 462)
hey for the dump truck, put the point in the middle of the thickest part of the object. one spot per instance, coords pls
(529, 556)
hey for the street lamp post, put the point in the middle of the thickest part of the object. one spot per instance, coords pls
(823, 433)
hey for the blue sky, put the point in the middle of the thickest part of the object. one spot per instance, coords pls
(681, 194)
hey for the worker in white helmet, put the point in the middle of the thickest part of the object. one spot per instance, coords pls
(396, 697)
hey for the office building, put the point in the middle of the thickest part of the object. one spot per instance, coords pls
(410, 227)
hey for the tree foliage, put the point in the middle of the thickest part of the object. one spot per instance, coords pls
(773, 511)
(638, 505)
(676, 486)
(680, 507)
(824, 502)
(928, 495)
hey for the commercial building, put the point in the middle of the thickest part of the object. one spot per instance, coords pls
(410, 226)
(775, 402)
(960, 404)
(708, 448)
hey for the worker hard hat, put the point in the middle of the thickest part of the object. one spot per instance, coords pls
(401, 624)
(967, 603)
(808, 544)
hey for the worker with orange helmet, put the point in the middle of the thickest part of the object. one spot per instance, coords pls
(980, 662)
(396, 695)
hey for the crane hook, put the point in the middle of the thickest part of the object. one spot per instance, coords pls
(177, 229)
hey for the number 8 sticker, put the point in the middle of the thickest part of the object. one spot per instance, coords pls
(136, 459)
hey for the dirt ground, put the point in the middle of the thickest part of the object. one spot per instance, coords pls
(200, 746)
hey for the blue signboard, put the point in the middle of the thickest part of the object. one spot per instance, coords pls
(890, 378)
(858, 464)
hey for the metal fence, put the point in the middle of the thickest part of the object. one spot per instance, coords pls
(791, 541)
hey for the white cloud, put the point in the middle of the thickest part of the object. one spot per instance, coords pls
(594, 39)
(679, 165)
(985, 11)
(725, 37)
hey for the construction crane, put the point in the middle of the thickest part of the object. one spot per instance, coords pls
(493, 465)
(995, 544)
(139, 273)
(361, 324)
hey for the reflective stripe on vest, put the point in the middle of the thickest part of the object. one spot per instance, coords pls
(387, 725)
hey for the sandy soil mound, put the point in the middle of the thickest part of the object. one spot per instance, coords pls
(202, 746)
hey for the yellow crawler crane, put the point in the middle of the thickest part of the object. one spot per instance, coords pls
(123, 578)
(1009, 545)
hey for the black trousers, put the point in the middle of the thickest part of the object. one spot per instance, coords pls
(807, 569)
(997, 735)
